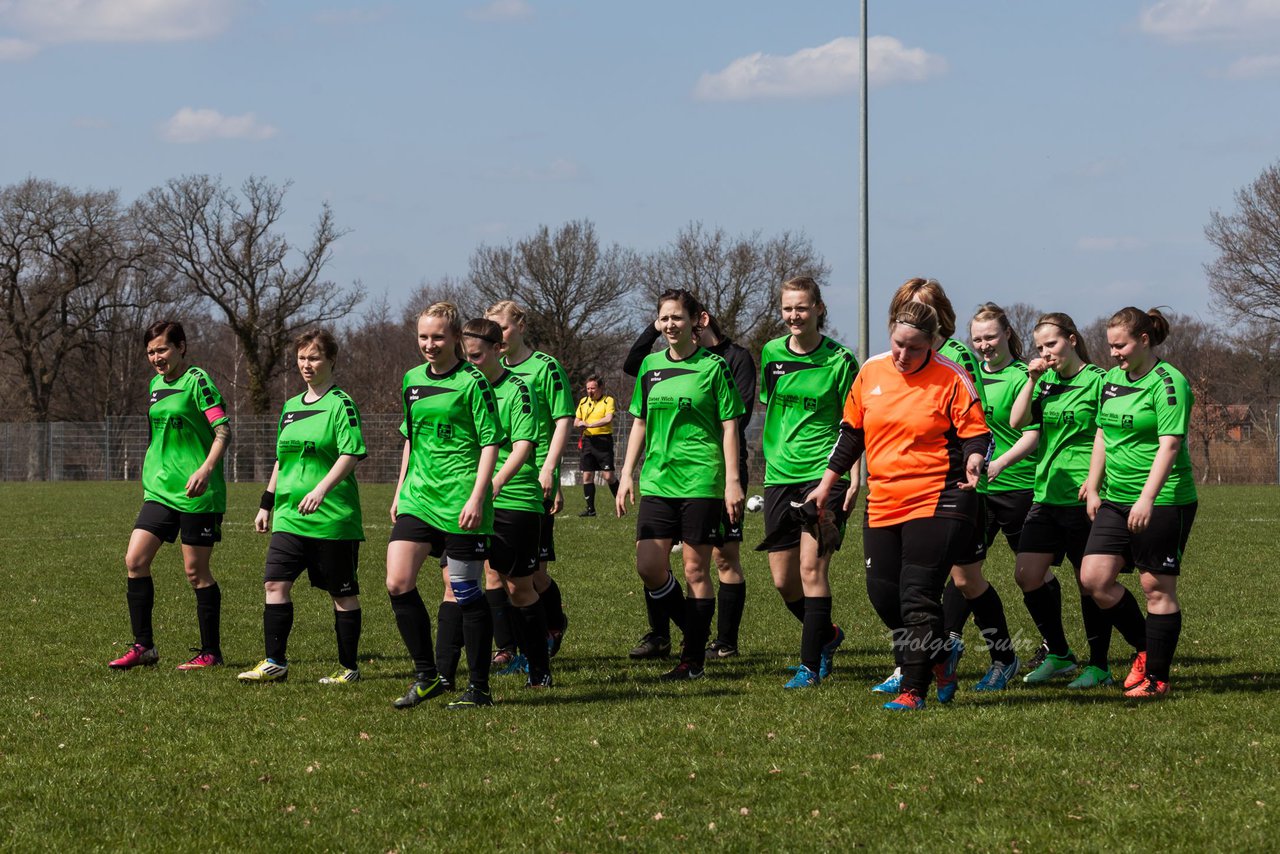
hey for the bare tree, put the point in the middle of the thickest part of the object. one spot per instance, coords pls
(1245, 277)
(64, 256)
(469, 301)
(229, 250)
(1022, 317)
(738, 279)
(574, 290)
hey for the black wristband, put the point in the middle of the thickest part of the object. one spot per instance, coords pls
(267, 501)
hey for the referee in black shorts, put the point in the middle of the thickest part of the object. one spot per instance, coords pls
(594, 417)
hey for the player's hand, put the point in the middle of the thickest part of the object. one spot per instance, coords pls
(395, 506)
(1091, 502)
(1140, 515)
(262, 522)
(198, 482)
(471, 515)
(820, 495)
(850, 498)
(311, 502)
(733, 501)
(994, 468)
(1036, 369)
(547, 480)
(972, 469)
(557, 504)
(497, 488)
(624, 496)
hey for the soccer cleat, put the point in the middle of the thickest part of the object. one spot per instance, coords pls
(944, 674)
(543, 681)
(1091, 677)
(555, 637)
(266, 671)
(1038, 659)
(471, 698)
(341, 677)
(136, 655)
(420, 690)
(998, 676)
(503, 657)
(588, 513)
(201, 660)
(1138, 672)
(720, 649)
(1051, 667)
(907, 701)
(892, 685)
(652, 646)
(683, 672)
(1149, 688)
(827, 662)
(804, 678)
(519, 664)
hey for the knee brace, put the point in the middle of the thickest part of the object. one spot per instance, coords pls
(465, 577)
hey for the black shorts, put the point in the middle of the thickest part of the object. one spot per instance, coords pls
(596, 454)
(1158, 549)
(999, 511)
(331, 565)
(513, 548)
(547, 538)
(779, 519)
(1057, 530)
(443, 543)
(696, 521)
(197, 529)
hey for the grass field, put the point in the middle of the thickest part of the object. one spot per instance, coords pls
(154, 759)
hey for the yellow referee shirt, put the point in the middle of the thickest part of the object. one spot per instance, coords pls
(593, 410)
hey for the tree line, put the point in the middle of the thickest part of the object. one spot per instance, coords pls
(82, 272)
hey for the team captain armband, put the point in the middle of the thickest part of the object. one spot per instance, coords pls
(215, 414)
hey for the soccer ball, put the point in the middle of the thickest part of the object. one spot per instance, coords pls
(755, 503)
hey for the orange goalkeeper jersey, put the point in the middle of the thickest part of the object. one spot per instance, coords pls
(914, 426)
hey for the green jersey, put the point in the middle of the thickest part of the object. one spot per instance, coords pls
(448, 419)
(1065, 411)
(803, 394)
(183, 414)
(550, 385)
(1133, 415)
(310, 438)
(518, 413)
(1000, 390)
(683, 404)
(965, 358)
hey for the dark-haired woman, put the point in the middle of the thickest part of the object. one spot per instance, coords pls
(918, 418)
(183, 494)
(806, 377)
(686, 408)
(731, 593)
(1141, 494)
(1060, 406)
(517, 497)
(444, 503)
(312, 509)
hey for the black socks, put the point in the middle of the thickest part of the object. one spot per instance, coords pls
(277, 622)
(415, 629)
(140, 594)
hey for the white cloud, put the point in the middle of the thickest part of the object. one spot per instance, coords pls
(1252, 67)
(1109, 244)
(201, 125)
(502, 10)
(815, 72)
(1216, 20)
(15, 50)
(41, 23)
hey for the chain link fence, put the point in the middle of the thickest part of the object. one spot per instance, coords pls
(114, 450)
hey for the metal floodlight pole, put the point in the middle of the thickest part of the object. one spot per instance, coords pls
(864, 281)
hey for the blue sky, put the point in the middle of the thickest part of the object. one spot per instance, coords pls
(1062, 154)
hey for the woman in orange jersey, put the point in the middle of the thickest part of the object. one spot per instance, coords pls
(918, 418)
